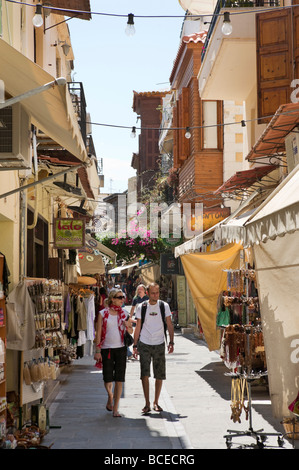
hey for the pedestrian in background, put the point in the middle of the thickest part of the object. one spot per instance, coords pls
(110, 348)
(102, 297)
(149, 343)
(140, 296)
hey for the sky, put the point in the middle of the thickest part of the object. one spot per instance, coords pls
(111, 65)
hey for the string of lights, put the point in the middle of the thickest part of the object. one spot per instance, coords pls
(188, 130)
(38, 21)
(250, 10)
(130, 29)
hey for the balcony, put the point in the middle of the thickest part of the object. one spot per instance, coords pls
(228, 68)
(166, 132)
(78, 99)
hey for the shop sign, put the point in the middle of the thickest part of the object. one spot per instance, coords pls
(210, 217)
(172, 240)
(169, 264)
(69, 233)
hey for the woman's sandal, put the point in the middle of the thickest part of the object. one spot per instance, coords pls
(157, 407)
(146, 410)
(109, 409)
(116, 414)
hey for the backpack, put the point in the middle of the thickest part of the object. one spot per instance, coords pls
(162, 310)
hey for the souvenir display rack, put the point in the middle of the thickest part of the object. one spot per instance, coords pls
(241, 381)
(46, 294)
(40, 364)
(243, 350)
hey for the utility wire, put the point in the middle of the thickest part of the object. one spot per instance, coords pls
(286, 113)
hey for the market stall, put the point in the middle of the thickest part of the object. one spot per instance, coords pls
(272, 231)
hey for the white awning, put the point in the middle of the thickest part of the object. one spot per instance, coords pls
(119, 269)
(278, 214)
(51, 111)
(233, 231)
(193, 244)
(228, 230)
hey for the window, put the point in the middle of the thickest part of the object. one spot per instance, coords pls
(212, 125)
(210, 121)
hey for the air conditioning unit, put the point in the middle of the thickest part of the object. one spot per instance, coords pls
(292, 149)
(15, 142)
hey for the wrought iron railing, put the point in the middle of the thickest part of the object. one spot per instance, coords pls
(78, 99)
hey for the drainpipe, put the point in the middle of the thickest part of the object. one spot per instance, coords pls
(23, 232)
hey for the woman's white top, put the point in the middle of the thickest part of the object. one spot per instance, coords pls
(112, 338)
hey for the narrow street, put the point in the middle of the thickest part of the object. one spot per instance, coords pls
(195, 398)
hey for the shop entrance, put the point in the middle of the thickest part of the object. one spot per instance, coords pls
(37, 247)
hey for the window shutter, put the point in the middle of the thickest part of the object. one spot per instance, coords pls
(175, 137)
(274, 61)
(185, 122)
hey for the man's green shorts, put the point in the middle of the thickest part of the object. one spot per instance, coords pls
(155, 353)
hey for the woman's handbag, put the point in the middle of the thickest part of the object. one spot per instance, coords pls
(128, 339)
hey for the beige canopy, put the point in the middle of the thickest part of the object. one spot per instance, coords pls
(51, 111)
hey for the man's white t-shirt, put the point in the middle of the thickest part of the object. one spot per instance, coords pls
(152, 331)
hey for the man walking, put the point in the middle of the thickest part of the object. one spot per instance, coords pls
(149, 342)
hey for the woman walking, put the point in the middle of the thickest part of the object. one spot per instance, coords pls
(140, 296)
(110, 348)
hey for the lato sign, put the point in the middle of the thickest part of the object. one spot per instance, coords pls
(69, 233)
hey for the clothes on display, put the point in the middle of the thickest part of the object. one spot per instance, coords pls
(79, 318)
(20, 319)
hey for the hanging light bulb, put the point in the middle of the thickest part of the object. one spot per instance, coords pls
(38, 17)
(188, 133)
(227, 26)
(133, 132)
(130, 29)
